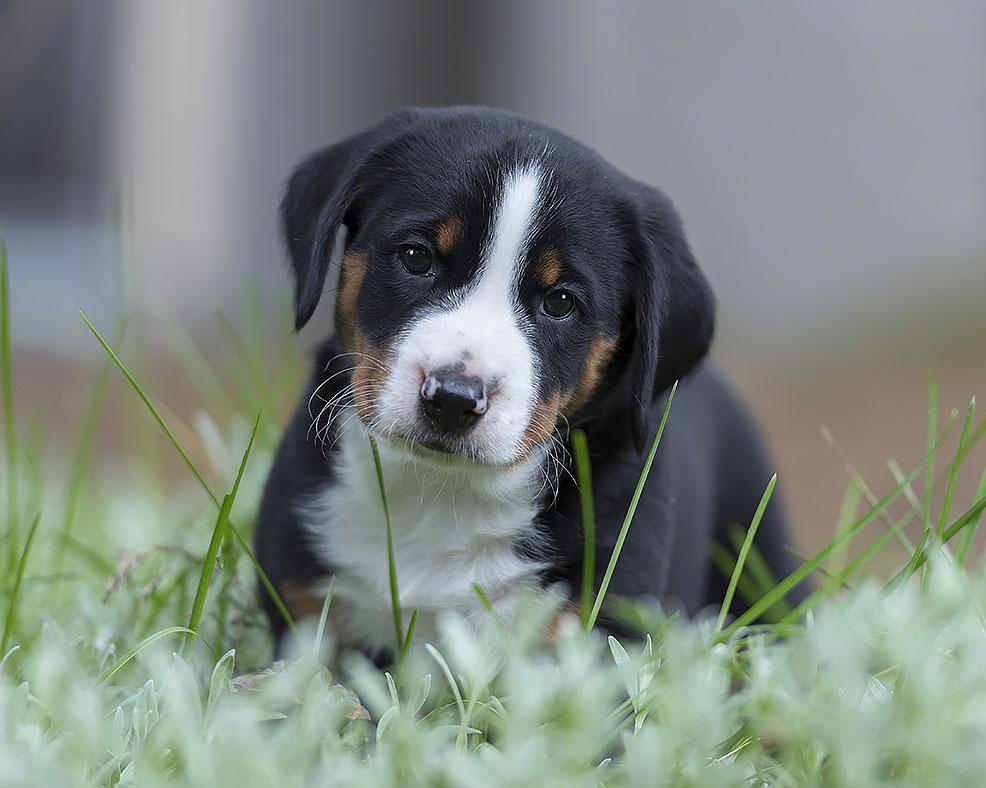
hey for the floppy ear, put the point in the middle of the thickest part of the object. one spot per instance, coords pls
(319, 199)
(673, 304)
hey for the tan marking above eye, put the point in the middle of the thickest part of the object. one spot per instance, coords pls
(596, 360)
(351, 277)
(447, 235)
(548, 268)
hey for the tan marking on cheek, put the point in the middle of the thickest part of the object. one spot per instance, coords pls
(368, 376)
(350, 282)
(541, 425)
(567, 612)
(448, 235)
(548, 268)
(596, 360)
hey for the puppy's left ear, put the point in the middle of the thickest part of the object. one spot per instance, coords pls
(673, 304)
(320, 197)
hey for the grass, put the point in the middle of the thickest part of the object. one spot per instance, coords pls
(133, 651)
(6, 376)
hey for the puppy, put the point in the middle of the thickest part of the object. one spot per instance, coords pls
(499, 284)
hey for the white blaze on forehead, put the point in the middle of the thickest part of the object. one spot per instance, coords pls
(482, 328)
(506, 248)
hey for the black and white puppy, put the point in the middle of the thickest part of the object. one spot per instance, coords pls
(499, 283)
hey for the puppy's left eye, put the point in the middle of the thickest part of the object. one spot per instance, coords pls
(416, 260)
(558, 303)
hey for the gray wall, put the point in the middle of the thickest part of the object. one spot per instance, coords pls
(829, 159)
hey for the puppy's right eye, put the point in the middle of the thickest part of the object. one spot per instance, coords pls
(416, 260)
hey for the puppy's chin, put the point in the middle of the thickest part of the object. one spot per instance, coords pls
(442, 453)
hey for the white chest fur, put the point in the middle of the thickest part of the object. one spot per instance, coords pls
(452, 527)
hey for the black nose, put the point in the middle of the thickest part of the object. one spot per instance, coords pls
(453, 402)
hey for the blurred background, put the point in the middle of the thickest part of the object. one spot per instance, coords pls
(829, 161)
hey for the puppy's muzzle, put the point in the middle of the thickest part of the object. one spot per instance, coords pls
(453, 402)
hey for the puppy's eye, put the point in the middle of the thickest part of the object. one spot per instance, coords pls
(558, 303)
(416, 260)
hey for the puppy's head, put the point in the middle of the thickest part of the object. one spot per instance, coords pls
(497, 277)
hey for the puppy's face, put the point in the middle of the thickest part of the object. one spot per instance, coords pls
(488, 287)
(484, 307)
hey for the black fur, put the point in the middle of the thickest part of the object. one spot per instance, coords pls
(637, 284)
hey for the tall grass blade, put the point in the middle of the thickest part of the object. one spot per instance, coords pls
(625, 528)
(323, 618)
(117, 666)
(757, 570)
(218, 534)
(971, 516)
(6, 376)
(264, 579)
(486, 602)
(8, 626)
(725, 562)
(929, 470)
(246, 361)
(798, 575)
(583, 476)
(751, 534)
(408, 636)
(196, 367)
(956, 464)
(969, 535)
(86, 437)
(395, 597)
(847, 515)
(155, 414)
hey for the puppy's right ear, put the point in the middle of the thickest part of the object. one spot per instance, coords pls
(319, 199)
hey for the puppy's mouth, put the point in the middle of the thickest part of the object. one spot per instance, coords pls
(440, 450)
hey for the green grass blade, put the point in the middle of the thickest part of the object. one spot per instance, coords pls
(969, 535)
(115, 668)
(847, 515)
(6, 376)
(487, 603)
(929, 470)
(784, 586)
(208, 565)
(868, 495)
(409, 636)
(218, 534)
(246, 361)
(196, 367)
(264, 580)
(931, 532)
(153, 411)
(453, 684)
(756, 564)
(625, 528)
(840, 579)
(956, 464)
(751, 534)
(87, 435)
(971, 516)
(215, 543)
(395, 597)
(725, 562)
(583, 475)
(323, 618)
(8, 626)
(917, 505)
